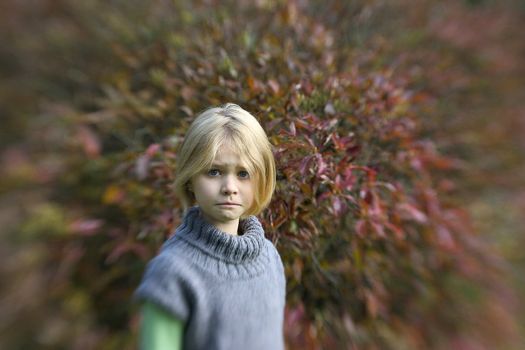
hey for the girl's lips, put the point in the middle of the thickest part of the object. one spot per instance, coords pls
(228, 204)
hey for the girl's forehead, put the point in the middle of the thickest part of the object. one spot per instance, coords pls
(228, 156)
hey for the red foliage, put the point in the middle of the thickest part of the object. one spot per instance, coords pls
(374, 252)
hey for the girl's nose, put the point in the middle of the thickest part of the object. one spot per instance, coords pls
(229, 186)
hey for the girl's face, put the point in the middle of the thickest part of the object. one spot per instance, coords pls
(225, 191)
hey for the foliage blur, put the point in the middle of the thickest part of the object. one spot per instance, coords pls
(398, 132)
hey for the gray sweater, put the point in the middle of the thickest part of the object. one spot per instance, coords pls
(228, 290)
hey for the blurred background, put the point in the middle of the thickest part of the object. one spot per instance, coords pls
(399, 133)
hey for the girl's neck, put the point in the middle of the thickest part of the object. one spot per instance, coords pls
(230, 227)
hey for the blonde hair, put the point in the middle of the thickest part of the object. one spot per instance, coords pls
(231, 125)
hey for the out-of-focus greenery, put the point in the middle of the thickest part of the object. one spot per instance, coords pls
(398, 136)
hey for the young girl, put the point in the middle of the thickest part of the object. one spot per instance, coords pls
(218, 283)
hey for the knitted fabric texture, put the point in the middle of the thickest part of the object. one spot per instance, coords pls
(229, 290)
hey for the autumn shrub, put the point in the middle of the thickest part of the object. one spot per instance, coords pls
(376, 256)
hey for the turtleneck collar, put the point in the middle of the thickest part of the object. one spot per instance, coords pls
(196, 231)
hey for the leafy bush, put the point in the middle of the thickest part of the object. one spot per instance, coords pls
(376, 254)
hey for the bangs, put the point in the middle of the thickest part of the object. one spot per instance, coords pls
(244, 150)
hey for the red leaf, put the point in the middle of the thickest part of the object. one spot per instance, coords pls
(307, 87)
(142, 166)
(445, 238)
(153, 149)
(304, 164)
(338, 206)
(321, 164)
(338, 182)
(398, 232)
(360, 227)
(293, 131)
(372, 304)
(125, 247)
(366, 195)
(90, 141)
(379, 229)
(274, 86)
(85, 227)
(272, 124)
(411, 212)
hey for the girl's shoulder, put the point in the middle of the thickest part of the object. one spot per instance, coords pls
(169, 259)
(274, 253)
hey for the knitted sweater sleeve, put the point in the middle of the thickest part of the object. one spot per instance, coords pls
(164, 285)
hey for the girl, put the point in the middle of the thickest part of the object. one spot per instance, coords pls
(218, 283)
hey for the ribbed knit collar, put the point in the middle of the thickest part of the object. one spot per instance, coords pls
(196, 231)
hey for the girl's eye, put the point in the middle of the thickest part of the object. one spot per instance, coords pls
(243, 174)
(213, 172)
